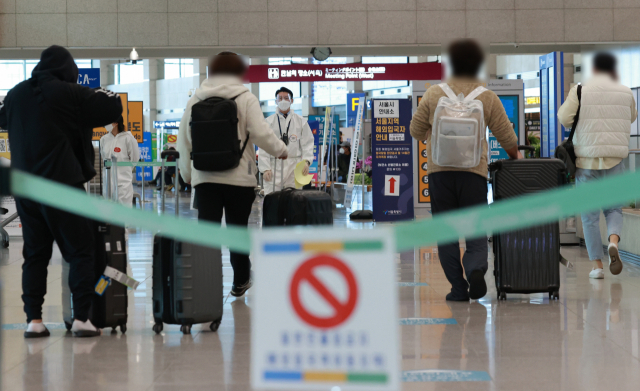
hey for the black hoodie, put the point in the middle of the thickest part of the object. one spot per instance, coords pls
(50, 119)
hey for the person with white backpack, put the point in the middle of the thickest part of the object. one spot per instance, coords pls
(452, 117)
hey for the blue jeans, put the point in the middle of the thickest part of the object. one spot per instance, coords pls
(591, 220)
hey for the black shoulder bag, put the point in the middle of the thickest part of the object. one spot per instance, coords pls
(565, 151)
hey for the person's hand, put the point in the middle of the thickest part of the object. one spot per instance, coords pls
(268, 176)
(284, 155)
(520, 155)
(305, 170)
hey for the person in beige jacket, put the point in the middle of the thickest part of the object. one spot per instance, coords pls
(601, 141)
(455, 188)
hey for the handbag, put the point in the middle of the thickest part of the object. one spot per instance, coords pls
(566, 151)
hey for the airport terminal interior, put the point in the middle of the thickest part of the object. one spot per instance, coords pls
(359, 303)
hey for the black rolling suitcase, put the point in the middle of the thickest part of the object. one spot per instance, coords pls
(296, 207)
(110, 309)
(527, 260)
(187, 280)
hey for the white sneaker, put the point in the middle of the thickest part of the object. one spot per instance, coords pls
(615, 263)
(84, 329)
(597, 274)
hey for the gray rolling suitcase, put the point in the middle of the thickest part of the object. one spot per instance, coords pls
(187, 279)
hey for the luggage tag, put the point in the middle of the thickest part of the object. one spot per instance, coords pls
(102, 285)
(122, 278)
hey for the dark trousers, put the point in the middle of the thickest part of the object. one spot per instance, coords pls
(236, 202)
(453, 190)
(41, 226)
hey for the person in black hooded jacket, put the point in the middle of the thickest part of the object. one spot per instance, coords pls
(50, 119)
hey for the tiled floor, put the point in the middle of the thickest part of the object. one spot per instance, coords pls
(588, 340)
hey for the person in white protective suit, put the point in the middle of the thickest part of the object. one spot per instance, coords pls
(296, 133)
(124, 146)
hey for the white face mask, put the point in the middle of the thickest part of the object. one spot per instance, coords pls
(109, 128)
(342, 150)
(284, 105)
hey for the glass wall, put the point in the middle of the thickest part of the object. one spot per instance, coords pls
(13, 72)
(329, 93)
(128, 73)
(175, 68)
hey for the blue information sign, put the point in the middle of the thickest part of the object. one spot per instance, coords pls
(89, 77)
(391, 148)
(145, 156)
(551, 97)
(320, 119)
(352, 108)
(510, 103)
(315, 129)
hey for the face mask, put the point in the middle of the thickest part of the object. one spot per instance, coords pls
(109, 128)
(342, 151)
(284, 105)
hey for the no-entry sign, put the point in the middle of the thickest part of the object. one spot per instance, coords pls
(325, 310)
(306, 273)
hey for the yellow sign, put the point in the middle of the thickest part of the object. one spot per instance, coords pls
(135, 120)
(172, 138)
(532, 100)
(99, 132)
(5, 150)
(300, 178)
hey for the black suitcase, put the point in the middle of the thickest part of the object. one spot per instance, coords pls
(187, 280)
(110, 309)
(527, 260)
(297, 207)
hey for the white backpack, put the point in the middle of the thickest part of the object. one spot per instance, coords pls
(458, 129)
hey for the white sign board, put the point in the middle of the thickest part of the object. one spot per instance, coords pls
(348, 194)
(386, 109)
(325, 310)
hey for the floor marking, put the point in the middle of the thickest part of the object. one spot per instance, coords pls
(23, 326)
(426, 321)
(439, 375)
(412, 284)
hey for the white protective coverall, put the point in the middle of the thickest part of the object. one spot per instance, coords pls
(300, 148)
(125, 148)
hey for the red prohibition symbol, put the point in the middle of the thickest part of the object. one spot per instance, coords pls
(342, 311)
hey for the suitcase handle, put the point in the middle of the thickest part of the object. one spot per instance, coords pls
(526, 148)
(165, 154)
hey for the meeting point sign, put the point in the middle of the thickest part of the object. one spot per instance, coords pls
(343, 72)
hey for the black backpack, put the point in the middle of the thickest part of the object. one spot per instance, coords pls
(214, 135)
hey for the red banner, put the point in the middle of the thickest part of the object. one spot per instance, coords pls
(344, 72)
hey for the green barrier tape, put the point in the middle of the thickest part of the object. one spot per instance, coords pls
(76, 201)
(519, 212)
(139, 164)
(503, 215)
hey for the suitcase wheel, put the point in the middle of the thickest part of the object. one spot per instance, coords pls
(214, 326)
(186, 329)
(157, 328)
(502, 296)
(67, 325)
(123, 328)
(555, 295)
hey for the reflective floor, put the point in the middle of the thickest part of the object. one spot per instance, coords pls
(588, 340)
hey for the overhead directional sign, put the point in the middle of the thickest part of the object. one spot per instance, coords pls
(321, 319)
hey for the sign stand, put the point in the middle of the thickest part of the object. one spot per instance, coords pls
(321, 319)
(361, 214)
